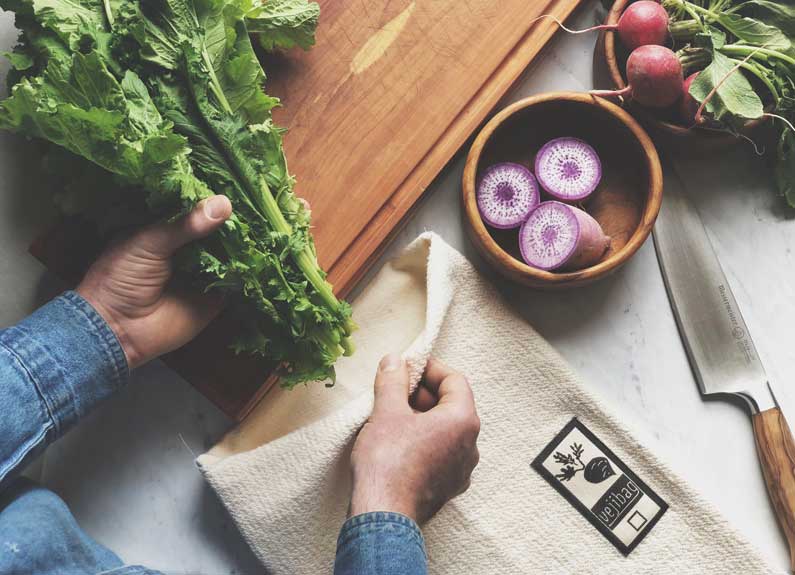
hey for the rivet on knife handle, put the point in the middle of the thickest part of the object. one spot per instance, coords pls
(776, 450)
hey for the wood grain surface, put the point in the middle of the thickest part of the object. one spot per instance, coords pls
(375, 110)
(776, 450)
(389, 94)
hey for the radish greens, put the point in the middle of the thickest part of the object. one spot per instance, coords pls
(745, 57)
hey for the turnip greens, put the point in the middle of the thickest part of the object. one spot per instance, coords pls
(153, 105)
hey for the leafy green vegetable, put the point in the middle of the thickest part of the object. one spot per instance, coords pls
(750, 69)
(164, 98)
(778, 14)
(734, 98)
(755, 32)
(283, 23)
(785, 168)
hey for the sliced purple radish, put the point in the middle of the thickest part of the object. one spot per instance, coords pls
(557, 235)
(506, 194)
(568, 169)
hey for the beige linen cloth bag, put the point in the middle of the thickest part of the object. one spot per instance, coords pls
(284, 475)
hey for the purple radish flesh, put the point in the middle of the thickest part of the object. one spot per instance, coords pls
(506, 194)
(568, 169)
(559, 236)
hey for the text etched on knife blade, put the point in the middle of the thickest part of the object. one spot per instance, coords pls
(743, 343)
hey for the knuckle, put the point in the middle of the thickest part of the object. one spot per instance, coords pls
(458, 379)
(468, 424)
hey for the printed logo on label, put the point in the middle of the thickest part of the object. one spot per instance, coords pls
(600, 486)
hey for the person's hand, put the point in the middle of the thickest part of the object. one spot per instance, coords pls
(413, 457)
(127, 285)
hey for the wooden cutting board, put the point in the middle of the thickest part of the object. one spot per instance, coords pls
(375, 110)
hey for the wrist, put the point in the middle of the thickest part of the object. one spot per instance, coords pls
(370, 501)
(116, 326)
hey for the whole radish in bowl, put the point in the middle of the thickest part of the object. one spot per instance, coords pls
(644, 22)
(654, 78)
(668, 120)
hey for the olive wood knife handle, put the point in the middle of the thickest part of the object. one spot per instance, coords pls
(776, 450)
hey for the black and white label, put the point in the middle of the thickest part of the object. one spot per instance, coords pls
(600, 486)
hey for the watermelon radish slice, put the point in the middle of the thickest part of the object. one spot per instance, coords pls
(568, 169)
(506, 194)
(557, 235)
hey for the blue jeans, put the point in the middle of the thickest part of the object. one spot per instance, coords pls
(55, 367)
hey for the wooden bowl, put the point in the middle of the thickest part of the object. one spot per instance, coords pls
(626, 203)
(661, 123)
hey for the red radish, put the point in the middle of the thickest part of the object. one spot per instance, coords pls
(654, 77)
(506, 194)
(642, 23)
(568, 169)
(688, 105)
(557, 236)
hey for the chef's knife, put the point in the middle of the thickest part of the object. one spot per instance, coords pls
(720, 349)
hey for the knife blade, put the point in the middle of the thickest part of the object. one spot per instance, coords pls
(718, 345)
(721, 352)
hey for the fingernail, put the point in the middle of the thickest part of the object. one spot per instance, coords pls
(214, 207)
(391, 362)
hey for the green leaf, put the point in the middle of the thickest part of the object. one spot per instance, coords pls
(755, 32)
(284, 24)
(735, 101)
(19, 60)
(785, 166)
(166, 104)
(713, 39)
(778, 14)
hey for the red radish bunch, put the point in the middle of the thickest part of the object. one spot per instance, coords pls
(553, 235)
(644, 23)
(654, 73)
(654, 76)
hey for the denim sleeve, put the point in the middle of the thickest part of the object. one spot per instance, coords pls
(55, 366)
(380, 543)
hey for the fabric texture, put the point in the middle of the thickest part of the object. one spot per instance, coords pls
(55, 366)
(380, 543)
(284, 476)
(38, 534)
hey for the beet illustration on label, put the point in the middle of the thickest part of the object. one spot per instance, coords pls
(595, 471)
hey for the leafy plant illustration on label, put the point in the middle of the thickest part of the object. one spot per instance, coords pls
(595, 471)
(579, 466)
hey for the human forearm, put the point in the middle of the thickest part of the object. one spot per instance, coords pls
(380, 543)
(55, 366)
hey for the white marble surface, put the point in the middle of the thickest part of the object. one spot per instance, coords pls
(128, 470)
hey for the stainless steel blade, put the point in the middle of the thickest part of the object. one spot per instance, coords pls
(720, 349)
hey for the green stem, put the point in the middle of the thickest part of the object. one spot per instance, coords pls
(259, 191)
(108, 12)
(215, 85)
(693, 59)
(741, 50)
(762, 78)
(684, 30)
(694, 11)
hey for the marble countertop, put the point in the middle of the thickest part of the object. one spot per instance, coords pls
(128, 471)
